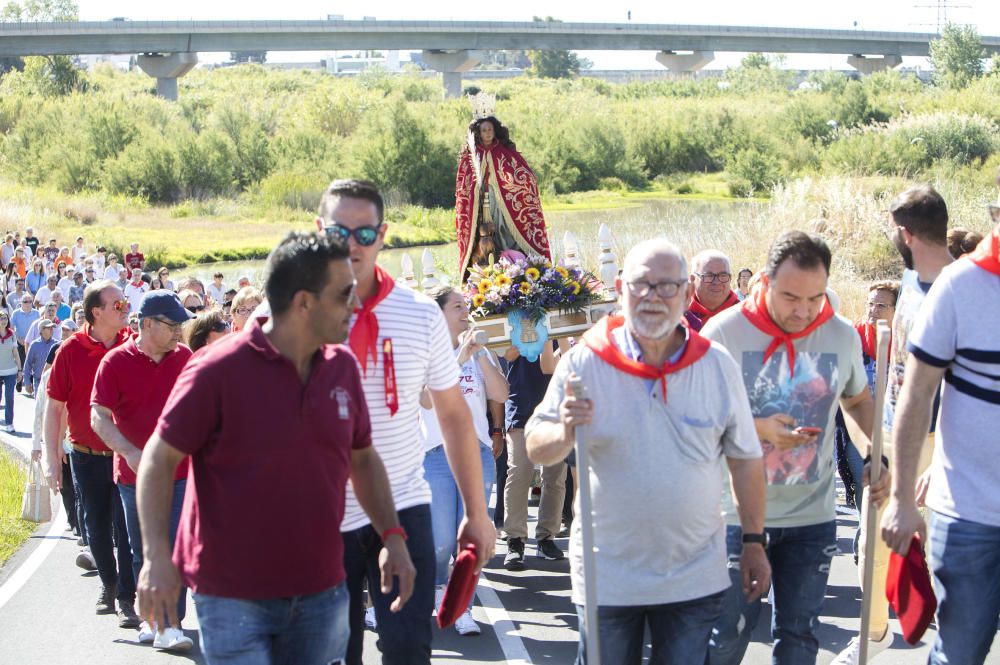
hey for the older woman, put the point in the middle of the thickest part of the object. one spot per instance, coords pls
(191, 300)
(206, 328)
(10, 369)
(244, 303)
(480, 379)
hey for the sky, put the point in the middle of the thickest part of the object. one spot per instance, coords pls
(890, 15)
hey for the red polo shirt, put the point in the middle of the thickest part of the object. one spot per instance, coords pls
(270, 459)
(135, 389)
(136, 260)
(72, 382)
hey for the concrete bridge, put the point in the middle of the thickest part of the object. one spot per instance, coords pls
(169, 48)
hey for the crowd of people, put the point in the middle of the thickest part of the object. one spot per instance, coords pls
(716, 420)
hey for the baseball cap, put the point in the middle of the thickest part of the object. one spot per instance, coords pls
(46, 323)
(162, 302)
(69, 324)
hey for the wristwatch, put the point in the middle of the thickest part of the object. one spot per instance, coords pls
(759, 538)
(496, 430)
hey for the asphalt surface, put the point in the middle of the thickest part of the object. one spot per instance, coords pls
(47, 616)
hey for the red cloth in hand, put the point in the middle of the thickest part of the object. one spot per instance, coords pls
(908, 589)
(461, 586)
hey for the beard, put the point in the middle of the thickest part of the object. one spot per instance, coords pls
(652, 330)
(903, 250)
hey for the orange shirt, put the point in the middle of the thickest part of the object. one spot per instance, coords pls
(61, 260)
(21, 266)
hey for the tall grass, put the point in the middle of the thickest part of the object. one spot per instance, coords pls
(13, 530)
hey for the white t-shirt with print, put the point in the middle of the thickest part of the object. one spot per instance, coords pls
(473, 385)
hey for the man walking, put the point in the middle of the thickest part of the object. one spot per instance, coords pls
(131, 388)
(798, 360)
(283, 598)
(711, 274)
(663, 398)
(402, 343)
(70, 385)
(955, 338)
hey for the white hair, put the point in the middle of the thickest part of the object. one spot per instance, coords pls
(700, 259)
(654, 247)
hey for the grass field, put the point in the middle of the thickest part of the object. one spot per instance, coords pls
(13, 530)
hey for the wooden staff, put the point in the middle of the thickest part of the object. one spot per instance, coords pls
(874, 472)
(587, 537)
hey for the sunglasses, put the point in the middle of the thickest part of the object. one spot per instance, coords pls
(221, 327)
(119, 305)
(363, 235)
(195, 308)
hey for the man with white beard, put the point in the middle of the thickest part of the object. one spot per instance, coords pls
(668, 408)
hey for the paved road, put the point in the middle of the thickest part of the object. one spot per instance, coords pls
(526, 616)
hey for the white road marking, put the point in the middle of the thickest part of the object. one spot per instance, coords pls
(506, 631)
(35, 560)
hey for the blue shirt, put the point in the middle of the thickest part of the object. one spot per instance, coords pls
(34, 361)
(22, 321)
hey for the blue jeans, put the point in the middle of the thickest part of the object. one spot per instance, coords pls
(447, 509)
(800, 565)
(965, 562)
(104, 519)
(131, 508)
(299, 630)
(8, 398)
(679, 632)
(405, 636)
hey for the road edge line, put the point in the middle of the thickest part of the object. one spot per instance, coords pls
(503, 626)
(35, 560)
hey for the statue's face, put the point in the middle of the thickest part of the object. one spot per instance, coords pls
(486, 132)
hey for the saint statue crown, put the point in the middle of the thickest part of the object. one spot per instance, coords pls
(483, 105)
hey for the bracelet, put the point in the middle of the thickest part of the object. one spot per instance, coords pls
(394, 531)
(496, 430)
(885, 460)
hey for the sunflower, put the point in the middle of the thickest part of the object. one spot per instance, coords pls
(525, 287)
(502, 280)
(478, 300)
(576, 288)
(484, 285)
(532, 274)
(562, 271)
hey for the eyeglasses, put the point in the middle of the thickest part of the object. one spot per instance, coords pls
(173, 325)
(363, 235)
(118, 305)
(641, 289)
(244, 311)
(720, 277)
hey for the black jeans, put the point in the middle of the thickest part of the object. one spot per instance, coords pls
(68, 494)
(105, 522)
(405, 636)
(501, 482)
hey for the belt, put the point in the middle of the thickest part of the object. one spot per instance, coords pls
(90, 451)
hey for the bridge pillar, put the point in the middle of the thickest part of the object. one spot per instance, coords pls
(451, 64)
(868, 65)
(685, 62)
(167, 68)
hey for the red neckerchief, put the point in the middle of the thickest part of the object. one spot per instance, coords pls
(94, 346)
(364, 334)
(137, 284)
(599, 340)
(987, 252)
(755, 309)
(8, 335)
(704, 313)
(866, 332)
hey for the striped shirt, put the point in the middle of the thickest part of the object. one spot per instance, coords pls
(956, 330)
(422, 355)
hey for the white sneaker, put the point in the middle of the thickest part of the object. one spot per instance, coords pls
(850, 655)
(438, 596)
(172, 639)
(146, 633)
(370, 621)
(466, 625)
(85, 560)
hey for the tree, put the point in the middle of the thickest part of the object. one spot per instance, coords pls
(554, 64)
(50, 74)
(755, 61)
(41, 10)
(957, 56)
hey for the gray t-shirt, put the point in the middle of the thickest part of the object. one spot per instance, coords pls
(958, 328)
(828, 366)
(656, 475)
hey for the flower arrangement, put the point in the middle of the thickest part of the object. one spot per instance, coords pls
(529, 285)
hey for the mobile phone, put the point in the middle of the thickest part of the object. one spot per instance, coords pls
(808, 430)
(579, 388)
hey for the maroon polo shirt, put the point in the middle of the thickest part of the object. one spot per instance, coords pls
(135, 389)
(72, 382)
(270, 459)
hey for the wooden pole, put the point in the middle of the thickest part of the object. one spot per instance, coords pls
(875, 472)
(587, 537)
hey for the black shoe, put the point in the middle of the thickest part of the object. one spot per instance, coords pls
(547, 549)
(515, 554)
(127, 618)
(106, 601)
(565, 531)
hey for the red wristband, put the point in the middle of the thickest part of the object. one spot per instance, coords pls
(394, 531)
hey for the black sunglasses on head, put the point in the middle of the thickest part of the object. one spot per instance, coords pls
(363, 235)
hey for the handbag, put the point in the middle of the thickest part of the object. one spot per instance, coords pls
(36, 506)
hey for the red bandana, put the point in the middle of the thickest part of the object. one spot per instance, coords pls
(755, 309)
(866, 332)
(364, 334)
(704, 313)
(599, 340)
(987, 252)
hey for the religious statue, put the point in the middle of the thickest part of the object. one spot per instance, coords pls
(497, 207)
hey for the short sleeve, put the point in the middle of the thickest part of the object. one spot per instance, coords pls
(547, 410)
(191, 415)
(59, 381)
(442, 370)
(106, 392)
(739, 440)
(857, 381)
(934, 336)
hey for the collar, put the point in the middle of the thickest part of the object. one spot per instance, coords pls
(755, 309)
(627, 342)
(258, 341)
(705, 313)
